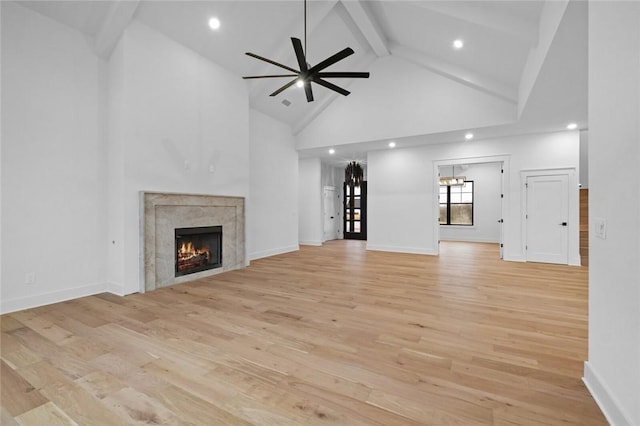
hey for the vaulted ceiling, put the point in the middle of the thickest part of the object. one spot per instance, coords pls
(527, 55)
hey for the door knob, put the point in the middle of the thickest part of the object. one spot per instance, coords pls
(563, 224)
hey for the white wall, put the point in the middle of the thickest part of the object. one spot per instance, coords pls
(486, 179)
(117, 112)
(613, 370)
(385, 106)
(400, 201)
(0, 162)
(402, 189)
(332, 176)
(180, 124)
(53, 168)
(272, 206)
(310, 223)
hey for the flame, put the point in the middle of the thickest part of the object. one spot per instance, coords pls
(187, 252)
(187, 249)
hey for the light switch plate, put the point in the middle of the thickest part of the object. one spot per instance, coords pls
(600, 228)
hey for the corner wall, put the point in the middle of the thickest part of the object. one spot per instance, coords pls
(82, 137)
(272, 206)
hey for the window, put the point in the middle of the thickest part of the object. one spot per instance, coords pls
(456, 204)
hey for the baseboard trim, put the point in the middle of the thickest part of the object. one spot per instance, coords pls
(470, 240)
(606, 401)
(394, 249)
(273, 252)
(115, 288)
(310, 243)
(514, 258)
(35, 301)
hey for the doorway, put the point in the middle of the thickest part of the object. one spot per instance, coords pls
(490, 225)
(331, 214)
(355, 211)
(471, 207)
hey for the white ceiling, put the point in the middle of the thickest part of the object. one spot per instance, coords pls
(498, 36)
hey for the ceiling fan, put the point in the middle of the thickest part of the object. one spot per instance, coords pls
(307, 74)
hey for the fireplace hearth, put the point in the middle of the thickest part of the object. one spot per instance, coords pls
(197, 249)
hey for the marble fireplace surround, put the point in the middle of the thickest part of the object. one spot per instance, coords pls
(162, 213)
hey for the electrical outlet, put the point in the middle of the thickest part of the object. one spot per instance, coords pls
(30, 278)
(600, 228)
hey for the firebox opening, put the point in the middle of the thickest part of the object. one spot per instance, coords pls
(198, 249)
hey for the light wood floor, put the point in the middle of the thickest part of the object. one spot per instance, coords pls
(326, 335)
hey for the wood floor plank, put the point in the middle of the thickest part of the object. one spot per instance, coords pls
(325, 335)
(47, 414)
(6, 419)
(17, 395)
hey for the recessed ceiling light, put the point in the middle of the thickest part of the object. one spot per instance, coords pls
(458, 44)
(572, 126)
(299, 83)
(468, 136)
(392, 144)
(214, 23)
(332, 151)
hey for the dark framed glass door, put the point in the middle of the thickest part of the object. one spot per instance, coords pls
(355, 211)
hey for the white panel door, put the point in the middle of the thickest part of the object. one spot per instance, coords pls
(547, 212)
(330, 214)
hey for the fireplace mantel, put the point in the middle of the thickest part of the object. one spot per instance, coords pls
(162, 213)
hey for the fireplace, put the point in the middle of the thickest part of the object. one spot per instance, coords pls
(197, 249)
(164, 212)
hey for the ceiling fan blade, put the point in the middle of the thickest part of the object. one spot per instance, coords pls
(270, 76)
(253, 55)
(347, 51)
(343, 74)
(308, 91)
(297, 48)
(286, 86)
(331, 86)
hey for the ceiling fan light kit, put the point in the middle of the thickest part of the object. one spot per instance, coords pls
(306, 73)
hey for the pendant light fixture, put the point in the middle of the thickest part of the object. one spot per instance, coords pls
(453, 180)
(353, 173)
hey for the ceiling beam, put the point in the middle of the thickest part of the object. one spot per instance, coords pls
(368, 26)
(478, 13)
(456, 73)
(120, 14)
